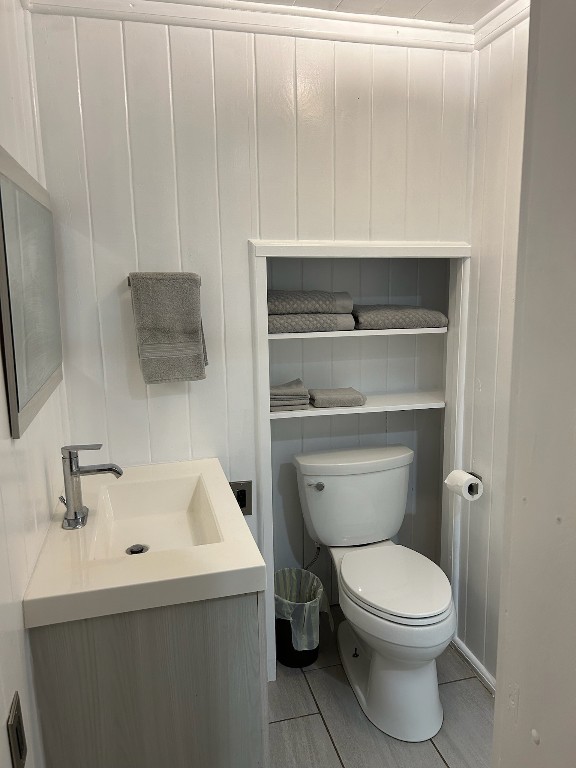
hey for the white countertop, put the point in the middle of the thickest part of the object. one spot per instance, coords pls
(76, 578)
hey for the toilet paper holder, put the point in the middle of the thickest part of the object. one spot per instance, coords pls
(473, 487)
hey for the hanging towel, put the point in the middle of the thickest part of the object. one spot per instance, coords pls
(309, 323)
(169, 333)
(345, 397)
(378, 317)
(309, 303)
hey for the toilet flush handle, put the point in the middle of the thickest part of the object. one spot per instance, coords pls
(318, 486)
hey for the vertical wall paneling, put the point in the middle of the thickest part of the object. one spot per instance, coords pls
(504, 360)
(288, 523)
(150, 132)
(352, 148)
(389, 147)
(501, 83)
(103, 91)
(194, 124)
(315, 138)
(453, 212)
(276, 127)
(426, 99)
(497, 91)
(60, 105)
(233, 82)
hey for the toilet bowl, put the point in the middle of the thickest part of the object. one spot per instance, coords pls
(398, 604)
(390, 660)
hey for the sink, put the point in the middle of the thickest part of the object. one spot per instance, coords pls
(161, 514)
(196, 546)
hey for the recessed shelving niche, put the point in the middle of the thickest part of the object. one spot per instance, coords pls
(409, 376)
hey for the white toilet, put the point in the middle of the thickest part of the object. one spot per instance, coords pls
(398, 604)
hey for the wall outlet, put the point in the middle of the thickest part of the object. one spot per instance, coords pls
(242, 490)
(16, 735)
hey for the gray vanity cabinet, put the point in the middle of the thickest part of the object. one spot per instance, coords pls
(182, 686)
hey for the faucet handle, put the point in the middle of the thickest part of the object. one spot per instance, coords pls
(72, 450)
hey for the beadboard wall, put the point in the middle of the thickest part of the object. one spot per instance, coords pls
(167, 148)
(371, 365)
(30, 468)
(501, 96)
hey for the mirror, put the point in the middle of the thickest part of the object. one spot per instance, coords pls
(29, 307)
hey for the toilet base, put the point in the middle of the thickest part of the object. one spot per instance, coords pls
(401, 700)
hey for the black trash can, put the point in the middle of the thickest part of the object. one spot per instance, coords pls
(298, 595)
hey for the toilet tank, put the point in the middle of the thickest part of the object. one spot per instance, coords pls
(355, 496)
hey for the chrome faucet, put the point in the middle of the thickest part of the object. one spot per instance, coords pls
(76, 513)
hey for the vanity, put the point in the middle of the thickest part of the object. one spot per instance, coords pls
(147, 626)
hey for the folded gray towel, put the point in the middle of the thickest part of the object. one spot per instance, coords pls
(336, 398)
(303, 407)
(309, 323)
(282, 403)
(308, 303)
(377, 317)
(294, 388)
(169, 333)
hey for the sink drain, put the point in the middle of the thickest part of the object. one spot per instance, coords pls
(137, 549)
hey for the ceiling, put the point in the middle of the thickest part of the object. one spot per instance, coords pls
(453, 11)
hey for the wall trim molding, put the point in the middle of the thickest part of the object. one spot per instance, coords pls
(488, 679)
(288, 21)
(500, 21)
(349, 249)
(319, 25)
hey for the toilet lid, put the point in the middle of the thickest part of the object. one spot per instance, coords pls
(396, 580)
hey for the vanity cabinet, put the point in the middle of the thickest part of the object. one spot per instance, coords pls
(181, 686)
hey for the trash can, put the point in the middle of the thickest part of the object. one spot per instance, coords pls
(299, 597)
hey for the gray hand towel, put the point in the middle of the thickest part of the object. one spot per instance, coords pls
(308, 302)
(294, 388)
(309, 323)
(169, 333)
(377, 317)
(336, 398)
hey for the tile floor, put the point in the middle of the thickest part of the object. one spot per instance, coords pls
(316, 721)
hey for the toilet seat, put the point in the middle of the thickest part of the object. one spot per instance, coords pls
(396, 584)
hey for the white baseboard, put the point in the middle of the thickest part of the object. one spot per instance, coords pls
(488, 679)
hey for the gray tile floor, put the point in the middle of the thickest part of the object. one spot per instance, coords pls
(315, 720)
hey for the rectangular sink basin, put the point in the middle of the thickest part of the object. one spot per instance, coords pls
(195, 546)
(160, 514)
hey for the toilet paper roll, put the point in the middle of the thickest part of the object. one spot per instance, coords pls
(464, 484)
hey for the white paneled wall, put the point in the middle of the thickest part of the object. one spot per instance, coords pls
(371, 365)
(168, 147)
(501, 92)
(30, 468)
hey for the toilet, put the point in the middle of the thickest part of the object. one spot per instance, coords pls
(398, 604)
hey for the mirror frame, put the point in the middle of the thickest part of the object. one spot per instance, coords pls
(19, 419)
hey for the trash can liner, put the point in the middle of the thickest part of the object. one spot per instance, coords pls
(299, 597)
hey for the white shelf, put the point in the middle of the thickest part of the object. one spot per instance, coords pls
(370, 249)
(405, 401)
(348, 334)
